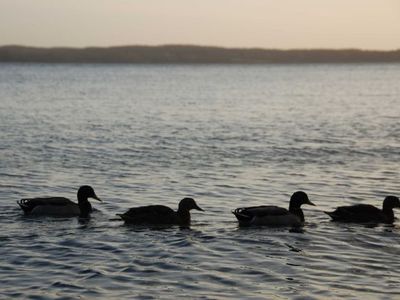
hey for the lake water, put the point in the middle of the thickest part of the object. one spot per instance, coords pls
(229, 136)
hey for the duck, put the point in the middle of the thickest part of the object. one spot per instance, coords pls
(160, 214)
(366, 213)
(274, 215)
(60, 206)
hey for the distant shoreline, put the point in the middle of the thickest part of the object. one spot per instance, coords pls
(188, 54)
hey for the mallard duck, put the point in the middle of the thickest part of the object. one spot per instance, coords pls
(160, 214)
(59, 206)
(274, 215)
(366, 213)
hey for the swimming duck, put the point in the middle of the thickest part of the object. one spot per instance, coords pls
(160, 214)
(366, 213)
(274, 215)
(59, 206)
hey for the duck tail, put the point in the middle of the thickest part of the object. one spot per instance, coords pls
(120, 215)
(24, 204)
(116, 219)
(242, 218)
(125, 218)
(331, 214)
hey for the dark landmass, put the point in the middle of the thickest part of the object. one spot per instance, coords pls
(172, 54)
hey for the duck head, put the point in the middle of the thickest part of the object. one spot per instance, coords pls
(391, 202)
(187, 204)
(86, 192)
(298, 199)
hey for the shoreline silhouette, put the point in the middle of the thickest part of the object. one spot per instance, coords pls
(190, 54)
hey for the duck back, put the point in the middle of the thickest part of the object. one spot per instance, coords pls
(260, 211)
(54, 206)
(357, 213)
(152, 214)
(265, 215)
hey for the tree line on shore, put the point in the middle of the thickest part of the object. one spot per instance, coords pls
(192, 54)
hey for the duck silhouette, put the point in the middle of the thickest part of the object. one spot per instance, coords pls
(366, 213)
(160, 214)
(60, 206)
(274, 215)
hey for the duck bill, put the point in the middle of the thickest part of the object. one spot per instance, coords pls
(199, 208)
(310, 203)
(97, 198)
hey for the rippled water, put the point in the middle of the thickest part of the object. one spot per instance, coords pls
(229, 136)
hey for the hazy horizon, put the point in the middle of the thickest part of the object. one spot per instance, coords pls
(199, 45)
(309, 24)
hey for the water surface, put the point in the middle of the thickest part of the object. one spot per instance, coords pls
(229, 136)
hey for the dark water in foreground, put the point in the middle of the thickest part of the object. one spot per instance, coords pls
(228, 136)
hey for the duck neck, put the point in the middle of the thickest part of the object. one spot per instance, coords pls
(84, 206)
(388, 213)
(184, 216)
(297, 211)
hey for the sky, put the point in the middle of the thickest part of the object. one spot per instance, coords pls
(284, 24)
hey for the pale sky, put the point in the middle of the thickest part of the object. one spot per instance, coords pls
(365, 24)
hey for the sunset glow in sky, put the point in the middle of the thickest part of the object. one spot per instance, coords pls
(365, 24)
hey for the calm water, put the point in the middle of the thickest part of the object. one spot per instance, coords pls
(229, 136)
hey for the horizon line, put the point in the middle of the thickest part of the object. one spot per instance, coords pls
(201, 46)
